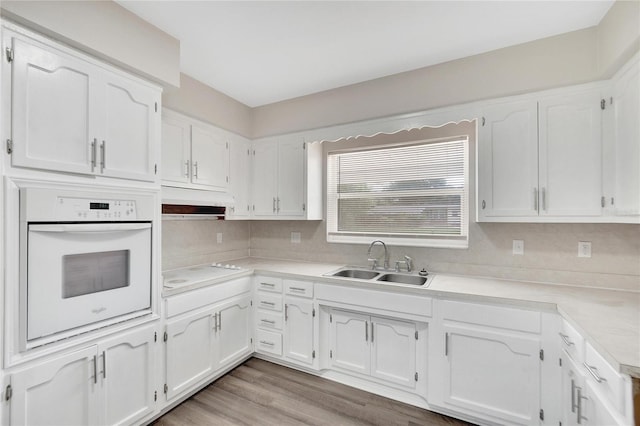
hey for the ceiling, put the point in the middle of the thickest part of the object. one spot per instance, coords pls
(261, 52)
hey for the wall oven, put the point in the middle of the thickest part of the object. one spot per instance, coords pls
(86, 257)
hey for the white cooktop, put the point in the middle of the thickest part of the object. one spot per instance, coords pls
(198, 274)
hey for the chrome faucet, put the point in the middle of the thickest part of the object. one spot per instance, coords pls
(408, 262)
(375, 260)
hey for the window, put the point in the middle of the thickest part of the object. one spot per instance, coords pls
(413, 194)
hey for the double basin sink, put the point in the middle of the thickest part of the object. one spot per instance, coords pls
(363, 274)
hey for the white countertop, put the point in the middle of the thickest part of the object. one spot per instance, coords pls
(608, 319)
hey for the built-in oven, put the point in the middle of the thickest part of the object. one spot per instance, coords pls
(86, 257)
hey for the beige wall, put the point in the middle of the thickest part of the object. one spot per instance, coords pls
(106, 30)
(618, 36)
(200, 101)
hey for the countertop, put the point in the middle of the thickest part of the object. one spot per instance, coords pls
(608, 319)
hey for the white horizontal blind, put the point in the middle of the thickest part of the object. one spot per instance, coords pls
(416, 191)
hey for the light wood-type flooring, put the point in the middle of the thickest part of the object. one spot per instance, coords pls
(262, 393)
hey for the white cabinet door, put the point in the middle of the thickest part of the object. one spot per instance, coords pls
(508, 160)
(298, 335)
(127, 368)
(572, 388)
(492, 373)
(240, 178)
(233, 331)
(291, 184)
(350, 349)
(210, 158)
(61, 391)
(189, 351)
(264, 186)
(393, 351)
(53, 117)
(626, 99)
(131, 118)
(176, 151)
(571, 155)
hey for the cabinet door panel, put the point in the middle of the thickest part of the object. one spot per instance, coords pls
(176, 151)
(492, 373)
(298, 338)
(571, 155)
(53, 121)
(234, 331)
(128, 372)
(187, 367)
(508, 160)
(290, 179)
(265, 179)
(349, 342)
(239, 178)
(210, 158)
(61, 392)
(127, 147)
(393, 356)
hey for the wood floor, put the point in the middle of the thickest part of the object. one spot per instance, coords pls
(261, 393)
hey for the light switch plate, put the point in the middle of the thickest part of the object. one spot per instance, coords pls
(295, 237)
(584, 249)
(219, 237)
(518, 247)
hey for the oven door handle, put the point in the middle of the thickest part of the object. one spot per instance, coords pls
(97, 227)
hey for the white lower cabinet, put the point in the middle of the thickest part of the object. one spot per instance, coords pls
(485, 363)
(112, 382)
(200, 343)
(299, 330)
(377, 347)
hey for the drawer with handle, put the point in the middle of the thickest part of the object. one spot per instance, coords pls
(268, 342)
(269, 284)
(271, 302)
(298, 288)
(607, 380)
(269, 320)
(572, 342)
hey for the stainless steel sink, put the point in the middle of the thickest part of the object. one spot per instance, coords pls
(403, 279)
(356, 273)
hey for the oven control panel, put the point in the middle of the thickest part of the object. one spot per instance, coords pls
(83, 209)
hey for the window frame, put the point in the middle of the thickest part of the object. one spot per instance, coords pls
(411, 240)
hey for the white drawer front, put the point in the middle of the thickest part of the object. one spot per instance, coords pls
(269, 284)
(269, 320)
(268, 301)
(269, 342)
(298, 288)
(572, 342)
(608, 382)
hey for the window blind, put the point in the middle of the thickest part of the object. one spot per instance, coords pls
(416, 191)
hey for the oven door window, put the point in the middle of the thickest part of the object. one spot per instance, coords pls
(89, 273)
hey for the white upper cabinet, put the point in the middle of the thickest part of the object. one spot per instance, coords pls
(239, 178)
(71, 114)
(625, 199)
(287, 180)
(194, 154)
(540, 158)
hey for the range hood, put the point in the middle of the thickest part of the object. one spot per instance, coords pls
(193, 203)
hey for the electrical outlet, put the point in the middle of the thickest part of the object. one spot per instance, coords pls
(219, 237)
(518, 247)
(584, 249)
(295, 237)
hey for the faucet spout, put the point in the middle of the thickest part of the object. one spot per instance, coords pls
(386, 254)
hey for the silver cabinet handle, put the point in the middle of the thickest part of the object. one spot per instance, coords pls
(268, 285)
(95, 369)
(366, 331)
(278, 204)
(566, 340)
(602, 201)
(446, 344)
(104, 364)
(286, 312)
(268, 321)
(535, 199)
(262, 302)
(93, 154)
(220, 321)
(300, 289)
(186, 168)
(103, 160)
(579, 416)
(264, 342)
(544, 199)
(215, 322)
(594, 372)
(195, 169)
(274, 204)
(371, 331)
(574, 405)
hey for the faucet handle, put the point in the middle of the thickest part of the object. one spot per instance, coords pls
(374, 265)
(409, 261)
